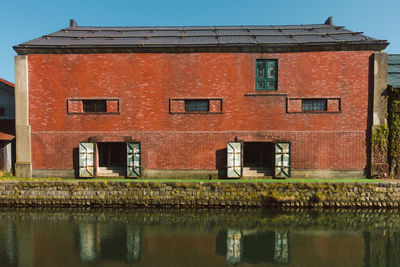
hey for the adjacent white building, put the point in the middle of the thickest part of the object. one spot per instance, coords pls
(7, 125)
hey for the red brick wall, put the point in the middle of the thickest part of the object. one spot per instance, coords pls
(144, 83)
(207, 150)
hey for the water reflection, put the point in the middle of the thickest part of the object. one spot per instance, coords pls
(10, 244)
(233, 246)
(99, 242)
(199, 237)
(88, 242)
(255, 247)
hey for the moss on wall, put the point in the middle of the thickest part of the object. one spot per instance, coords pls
(198, 194)
(394, 132)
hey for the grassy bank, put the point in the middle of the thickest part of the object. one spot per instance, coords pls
(10, 177)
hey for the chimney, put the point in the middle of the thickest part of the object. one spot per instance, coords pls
(329, 21)
(72, 23)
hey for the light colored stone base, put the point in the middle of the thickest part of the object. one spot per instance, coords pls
(23, 169)
(53, 173)
(328, 174)
(181, 174)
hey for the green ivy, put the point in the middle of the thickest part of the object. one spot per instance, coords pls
(394, 129)
(379, 143)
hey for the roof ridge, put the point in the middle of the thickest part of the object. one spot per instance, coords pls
(200, 28)
(7, 82)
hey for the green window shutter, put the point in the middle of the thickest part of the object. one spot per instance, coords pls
(266, 74)
(133, 156)
(234, 160)
(260, 74)
(282, 159)
(86, 159)
(271, 75)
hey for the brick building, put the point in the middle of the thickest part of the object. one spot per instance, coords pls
(213, 101)
(7, 126)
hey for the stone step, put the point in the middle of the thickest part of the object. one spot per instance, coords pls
(256, 172)
(111, 171)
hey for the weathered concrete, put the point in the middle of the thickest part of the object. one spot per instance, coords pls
(199, 194)
(328, 173)
(53, 173)
(23, 166)
(380, 86)
(191, 174)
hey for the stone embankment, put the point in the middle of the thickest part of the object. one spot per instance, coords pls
(198, 194)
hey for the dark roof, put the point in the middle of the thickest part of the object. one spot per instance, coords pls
(7, 86)
(6, 82)
(394, 70)
(83, 37)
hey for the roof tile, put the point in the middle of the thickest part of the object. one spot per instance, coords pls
(197, 36)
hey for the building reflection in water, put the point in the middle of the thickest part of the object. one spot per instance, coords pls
(36, 240)
(281, 252)
(18, 244)
(99, 242)
(251, 246)
(133, 244)
(87, 242)
(10, 243)
(233, 246)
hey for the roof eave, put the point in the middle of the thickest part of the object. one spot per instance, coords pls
(7, 83)
(246, 48)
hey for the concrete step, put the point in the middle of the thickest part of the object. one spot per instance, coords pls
(257, 171)
(111, 172)
(111, 169)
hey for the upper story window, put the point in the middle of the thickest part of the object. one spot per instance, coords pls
(92, 105)
(314, 105)
(197, 105)
(266, 74)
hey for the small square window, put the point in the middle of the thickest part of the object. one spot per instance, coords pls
(197, 105)
(95, 106)
(314, 105)
(266, 74)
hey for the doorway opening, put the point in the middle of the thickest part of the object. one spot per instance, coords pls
(111, 159)
(258, 158)
(112, 154)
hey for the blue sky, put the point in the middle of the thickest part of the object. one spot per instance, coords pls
(23, 20)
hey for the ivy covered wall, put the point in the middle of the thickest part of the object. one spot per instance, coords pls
(394, 132)
(385, 141)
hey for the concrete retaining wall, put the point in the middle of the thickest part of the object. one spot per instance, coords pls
(191, 194)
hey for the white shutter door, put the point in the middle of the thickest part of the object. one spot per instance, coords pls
(234, 160)
(86, 159)
(282, 159)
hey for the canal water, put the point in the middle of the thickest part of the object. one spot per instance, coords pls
(202, 237)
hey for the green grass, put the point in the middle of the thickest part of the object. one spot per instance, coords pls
(290, 180)
(9, 177)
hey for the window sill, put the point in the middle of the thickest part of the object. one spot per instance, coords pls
(93, 113)
(314, 112)
(195, 112)
(266, 93)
